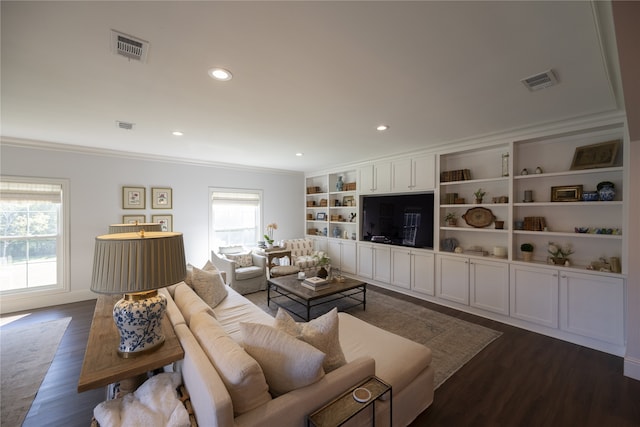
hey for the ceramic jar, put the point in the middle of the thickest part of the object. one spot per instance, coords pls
(606, 191)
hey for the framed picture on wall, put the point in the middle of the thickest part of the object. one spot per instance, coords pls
(133, 197)
(161, 198)
(132, 219)
(166, 221)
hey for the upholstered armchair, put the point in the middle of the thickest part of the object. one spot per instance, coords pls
(303, 254)
(246, 272)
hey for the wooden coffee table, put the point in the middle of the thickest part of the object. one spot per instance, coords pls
(289, 288)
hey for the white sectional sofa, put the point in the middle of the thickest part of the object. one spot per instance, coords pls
(227, 389)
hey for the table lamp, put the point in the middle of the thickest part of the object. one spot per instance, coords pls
(136, 265)
(134, 227)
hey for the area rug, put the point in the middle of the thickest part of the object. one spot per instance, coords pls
(25, 356)
(453, 342)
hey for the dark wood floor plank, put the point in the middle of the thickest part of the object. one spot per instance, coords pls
(520, 379)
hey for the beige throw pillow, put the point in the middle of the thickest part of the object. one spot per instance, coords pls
(322, 333)
(241, 374)
(287, 363)
(209, 286)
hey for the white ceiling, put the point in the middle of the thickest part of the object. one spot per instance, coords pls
(314, 77)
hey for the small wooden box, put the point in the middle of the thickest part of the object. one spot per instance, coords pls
(313, 190)
(349, 186)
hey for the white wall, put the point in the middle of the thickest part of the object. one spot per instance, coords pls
(96, 201)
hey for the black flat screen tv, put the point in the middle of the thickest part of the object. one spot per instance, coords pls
(402, 219)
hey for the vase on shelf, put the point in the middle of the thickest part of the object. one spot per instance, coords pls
(339, 184)
(527, 256)
(606, 191)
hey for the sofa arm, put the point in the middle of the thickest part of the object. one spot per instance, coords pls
(291, 409)
(259, 260)
(225, 266)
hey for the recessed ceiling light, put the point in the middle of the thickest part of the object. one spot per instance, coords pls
(299, 154)
(220, 74)
(382, 127)
(177, 133)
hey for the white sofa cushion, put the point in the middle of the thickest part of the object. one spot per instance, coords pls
(209, 286)
(287, 362)
(173, 312)
(234, 309)
(241, 374)
(321, 332)
(190, 303)
(398, 360)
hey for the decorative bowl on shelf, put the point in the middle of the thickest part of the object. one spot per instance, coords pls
(581, 229)
(590, 196)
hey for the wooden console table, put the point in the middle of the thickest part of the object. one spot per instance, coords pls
(103, 365)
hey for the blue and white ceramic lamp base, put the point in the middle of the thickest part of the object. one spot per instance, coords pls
(138, 318)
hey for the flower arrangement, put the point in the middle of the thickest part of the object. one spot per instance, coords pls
(269, 234)
(323, 259)
(558, 251)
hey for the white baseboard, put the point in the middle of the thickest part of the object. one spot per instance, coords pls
(632, 368)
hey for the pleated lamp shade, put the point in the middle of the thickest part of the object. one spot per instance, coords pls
(129, 263)
(134, 228)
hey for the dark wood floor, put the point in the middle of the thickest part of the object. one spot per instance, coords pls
(521, 379)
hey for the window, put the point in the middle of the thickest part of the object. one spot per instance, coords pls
(235, 217)
(33, 243)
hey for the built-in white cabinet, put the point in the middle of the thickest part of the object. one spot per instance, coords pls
(474, 281)
(453, 278)
(534, 294)
(489, 285)
(413, 269)
(374, 262)
(592, 306)
(382, 263)
(375, 178)
(364, 254)
(343, 255)
(532, 193)
(413, 174)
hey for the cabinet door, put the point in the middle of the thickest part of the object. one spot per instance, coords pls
(534, 295)
(401, 268)
(424, 172)
(382, 264)
(366, 183)
(592, 306)
(365, 261)
(422, 272)
(382, 177)
(402, 176)
(489, 285)
(348, 257)
(453, 279)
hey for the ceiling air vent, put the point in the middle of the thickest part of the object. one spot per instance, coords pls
(540, 81)
(129, 46)
(124, 125)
